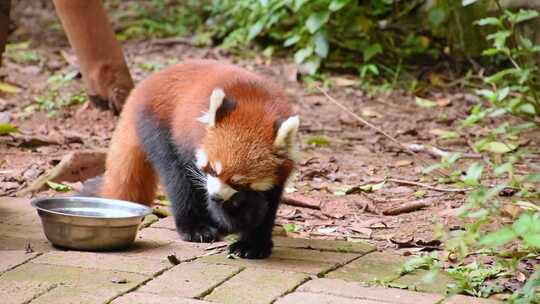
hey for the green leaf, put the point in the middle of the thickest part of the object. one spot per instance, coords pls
(527, 223)
(527, 108)
(336, 5)
(302, 54)
(490, 95)
(524, 15)
(502, 93)
(472, 177)
(311, 65)
(291, 227)
(298, 4)
(533, 178)
(8, 88)
(468, 2)
(291, 40)
(499, 38)
(431, 168)
(499, 147)
(318, 141)
(443, 134)
(504, 168)
(321, 44)
(437, 16)
(532, 240)
(367, 188)
(316, 20)
(255, 29)
(371, 51)
(58, 187)
(424, 103)
(499, 237)
(7, 128)
(489, 21)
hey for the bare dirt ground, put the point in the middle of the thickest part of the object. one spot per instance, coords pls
(354, 155)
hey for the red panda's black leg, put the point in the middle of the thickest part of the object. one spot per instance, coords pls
(179, 175)
(257, 243)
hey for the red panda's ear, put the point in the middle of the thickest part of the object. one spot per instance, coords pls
(285, 141)
(216, 100)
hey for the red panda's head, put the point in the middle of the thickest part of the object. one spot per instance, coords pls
(249, 143)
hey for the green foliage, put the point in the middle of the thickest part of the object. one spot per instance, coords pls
(20, 53)
(318, 141)
(161, 18)
(470, 278)
(6, 128)
(346, 33)
(59, 187)
(53, 98)
(510, 100)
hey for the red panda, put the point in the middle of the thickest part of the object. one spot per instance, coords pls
(219, 138)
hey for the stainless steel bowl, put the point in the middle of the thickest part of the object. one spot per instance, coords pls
(90, 223)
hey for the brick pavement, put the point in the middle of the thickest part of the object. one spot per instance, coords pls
(299, 271)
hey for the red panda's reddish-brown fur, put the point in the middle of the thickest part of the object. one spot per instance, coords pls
(220, 138)
(178, 96)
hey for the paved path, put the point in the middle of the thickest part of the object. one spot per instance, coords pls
(299, 271)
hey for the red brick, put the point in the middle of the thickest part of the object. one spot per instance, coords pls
(326, 245)
(370, 267)
(189, 280)
(360, 291)
(253, 286)
(101, 261)
(460, 299)
(18, 292)
(290, 259)
(148, 298)
(76, 295)
(314, 298)
(11, 258)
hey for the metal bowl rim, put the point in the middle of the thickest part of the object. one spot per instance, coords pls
(147, 210)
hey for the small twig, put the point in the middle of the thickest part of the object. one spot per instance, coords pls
(407, 182)
(174, 40)
(434, 151)
(287, 200)
(406, 208)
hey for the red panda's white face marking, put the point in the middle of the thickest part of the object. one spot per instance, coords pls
(243, 148)
(201, 158)
(217, 188)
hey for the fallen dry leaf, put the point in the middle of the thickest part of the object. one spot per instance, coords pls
(371, 113)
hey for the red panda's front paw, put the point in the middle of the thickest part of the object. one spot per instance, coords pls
(251, 250)
(200, 234)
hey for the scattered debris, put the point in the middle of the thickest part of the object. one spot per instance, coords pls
(173, 259)
(299, 200)
(118, 280)
(406, 208)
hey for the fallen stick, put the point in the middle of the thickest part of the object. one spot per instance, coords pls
(174, 40)
(407, 182)
(406, 208)
(74, 167)
(297, 202)
(434, 151)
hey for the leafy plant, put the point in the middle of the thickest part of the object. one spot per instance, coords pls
(53, 99)
(510, 100)
(20, 52)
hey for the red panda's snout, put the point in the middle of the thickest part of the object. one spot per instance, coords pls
(244, 148)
